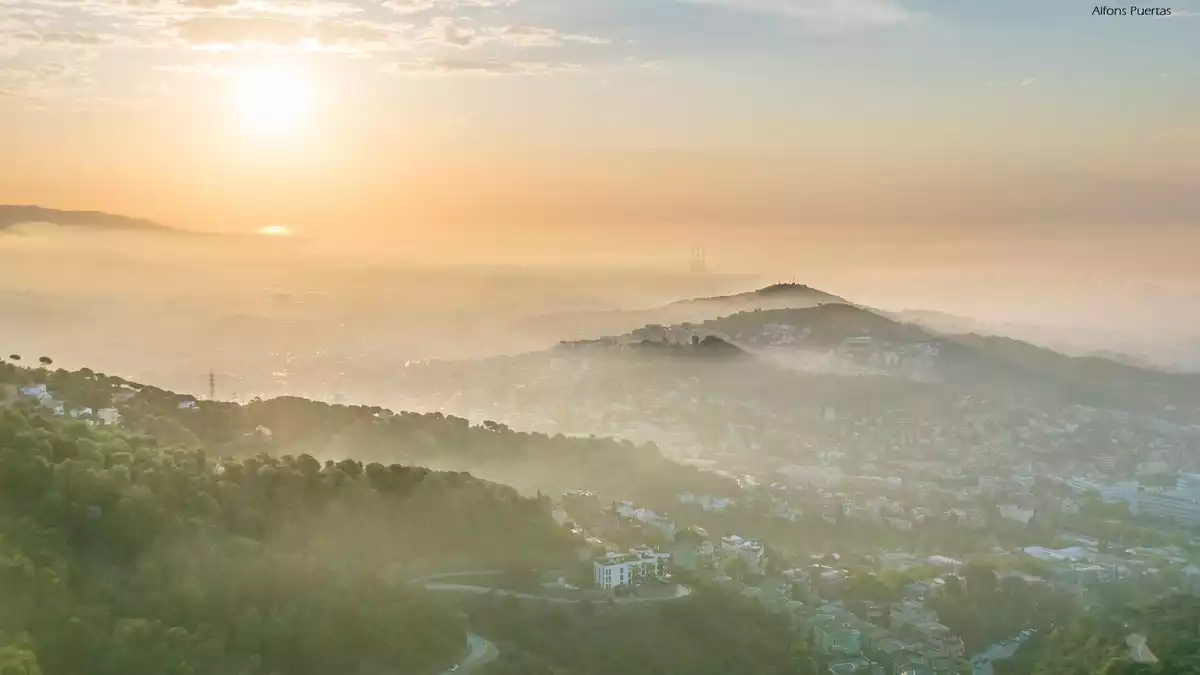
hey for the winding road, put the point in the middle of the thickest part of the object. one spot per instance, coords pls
(432, 583)
(681, 591)
(480, 653)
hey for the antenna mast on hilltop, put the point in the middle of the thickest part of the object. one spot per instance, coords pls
(212, 385)
(698, 265)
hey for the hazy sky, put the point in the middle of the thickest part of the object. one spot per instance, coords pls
(777, 129)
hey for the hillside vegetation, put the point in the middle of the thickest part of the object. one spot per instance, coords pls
(121, 555)
(1106, 642)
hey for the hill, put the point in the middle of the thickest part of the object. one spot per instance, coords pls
(965, 361)
(590, 324)
(775, 296)
(531, 462)
(17, 215)
(832, 376)
(122, 554)
(660, 346)
(128, 549)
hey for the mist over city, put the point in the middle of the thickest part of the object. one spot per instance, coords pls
(633, 337)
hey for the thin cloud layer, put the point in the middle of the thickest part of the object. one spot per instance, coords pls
(413, 32)
(825, 15)
(451, 66)
(250, 32)
(464, 32)
(416, 6)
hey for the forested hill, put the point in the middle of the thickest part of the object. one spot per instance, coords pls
(130, 550)
(122, 555)
(530, 462)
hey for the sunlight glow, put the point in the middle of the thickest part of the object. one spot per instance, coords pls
(275, 231)
(274, 101)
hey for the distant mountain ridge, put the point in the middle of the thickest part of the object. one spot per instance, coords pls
(11, 215)
(585, 325)
(779, 295)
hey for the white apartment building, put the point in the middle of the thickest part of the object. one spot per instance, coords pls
(1126, 491)
(616, 570)
(749, 550)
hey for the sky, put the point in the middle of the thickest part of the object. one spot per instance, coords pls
(925, 134)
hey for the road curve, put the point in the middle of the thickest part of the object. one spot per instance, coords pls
(480, 653)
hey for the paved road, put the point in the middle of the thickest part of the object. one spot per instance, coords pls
(681, 591)
(451, 575)
(481, 653)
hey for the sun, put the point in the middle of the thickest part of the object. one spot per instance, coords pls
(274, 101)
(275, 231)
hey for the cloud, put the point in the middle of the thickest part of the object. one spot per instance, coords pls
(43, 80)
(435, 66)
(464, 32)
(1029, 82)
(825, 15)
(201, 69)
(216, 32)
(415, 6)
(534, 36)
(208, 4)
(78, 39)
(310, 8)
(451, 32)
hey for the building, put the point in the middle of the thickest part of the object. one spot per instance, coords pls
(1182, 506)
(714, 504)
(990, 484)
(616, 570)
(559, 514)
(78, 413)
(37, 391)
(897, 561)
(1126, 491)
(748, 550)
(187, 404)
(52, 404)
(665, 527)
(835, 636)
(109, 415)
(857, 343)
(1016, 514)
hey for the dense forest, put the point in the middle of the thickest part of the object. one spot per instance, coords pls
(708, 633)
(120, 555)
